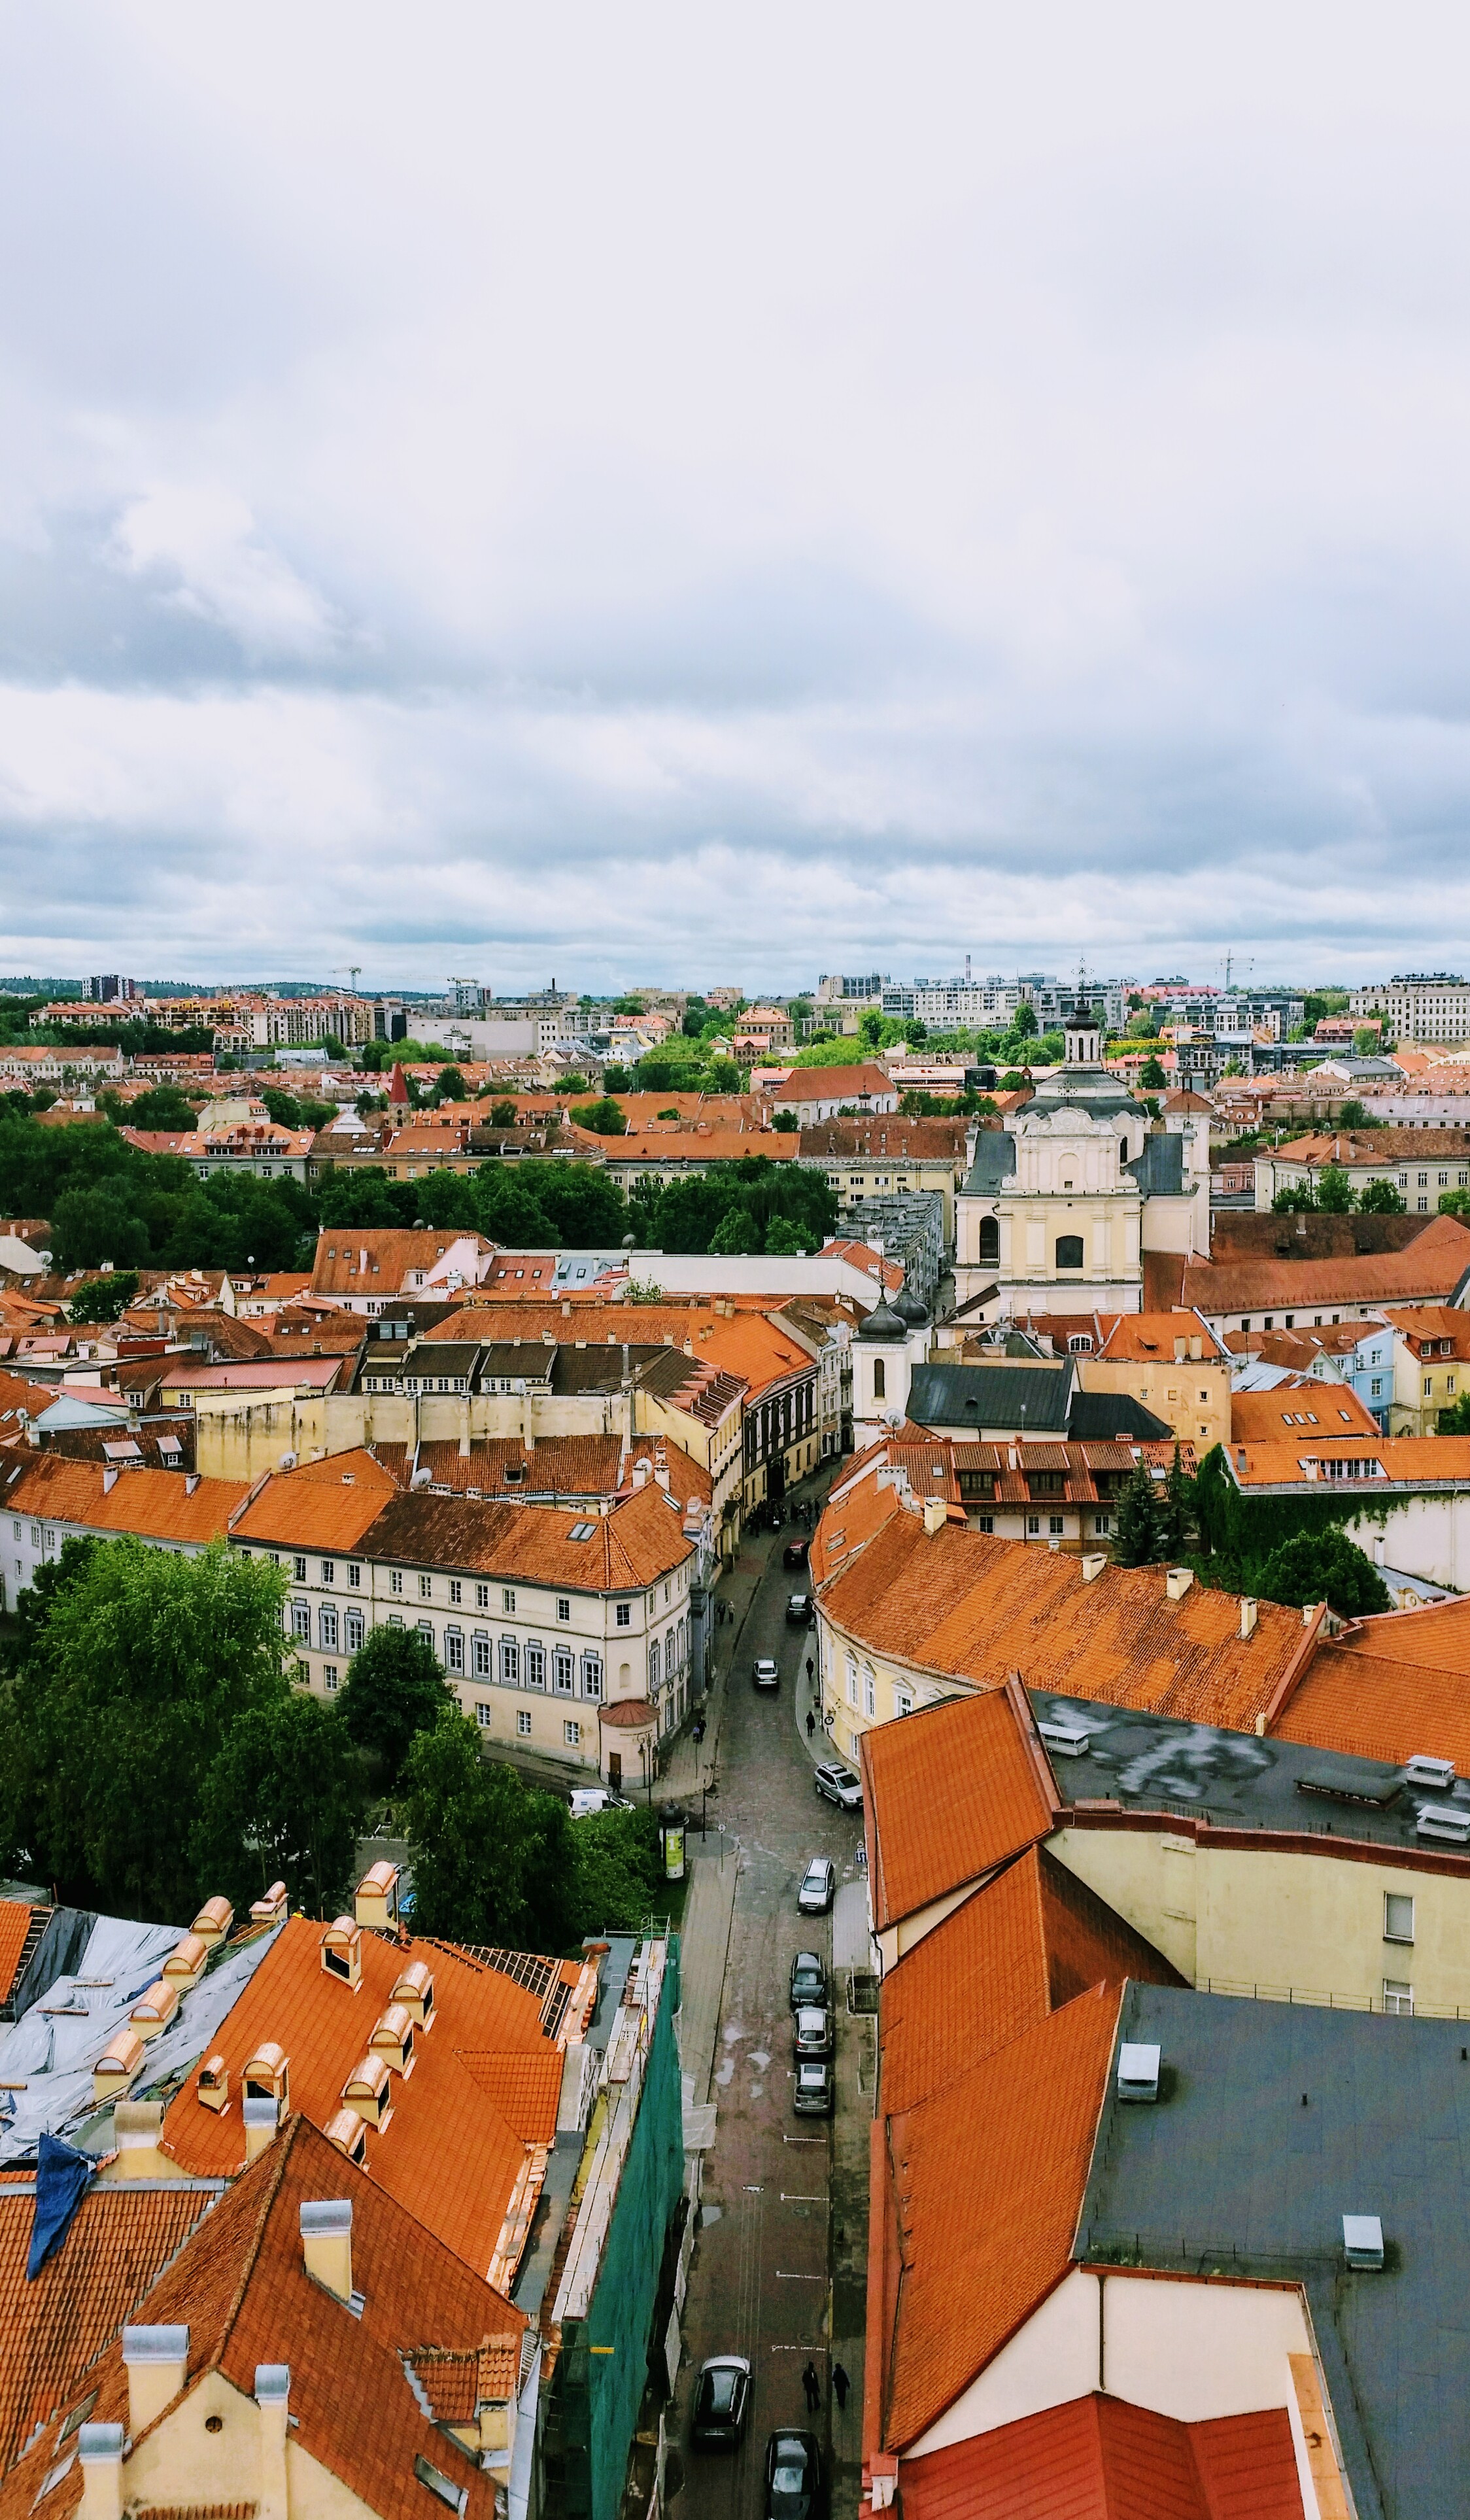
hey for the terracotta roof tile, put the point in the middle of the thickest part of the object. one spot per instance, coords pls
(1431, 1266)
(1410, 1460)
(392, 1255)
(156, 1505)
(526, 2090)
(323, 1504)
(1366, 1693)
(948, 1793)
(629, 1547)
(14, 1924)
(573, 1466)
(1093, 2457)
(988, 2178)
(1295, 1413)
(447, 2155)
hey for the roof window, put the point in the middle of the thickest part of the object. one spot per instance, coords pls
(154, 2009)
(580, 1531)
(214, 1922)
(367, 2090)
(456, 2496)
(343, 1950)
(271, 1910)
(213, 2086)
(376, 1897)
(267, 2075)
(185, 1964)
(393, 2040)
(413, 1990)
(349, 2133)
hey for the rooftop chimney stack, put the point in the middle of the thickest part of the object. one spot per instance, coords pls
(273, 2398)
(260, 2121)
(1249, 1611)
(156, 2362)
(101, 2447)
(326, 2245)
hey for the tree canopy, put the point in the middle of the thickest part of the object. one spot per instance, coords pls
(394, 1688)
(493, 1858)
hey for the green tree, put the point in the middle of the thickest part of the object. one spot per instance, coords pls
(787, 1124)
(1151, 1075)
(394, 1688)
(1366, 1040)
(605, 1119)
(1335, 1195)
(616, 1078)
(1299, 1201)
(281, 1800)
(103, 1299)
(695, 1017)
(870, 1028)
(914, 1032)
(1023, 1022)
(1380, 1198)
(1175, 1510)
(617, 1873)
(1454, 1203)
(1456, 1420)
(503, 1111)
(509, 1211)
(1323, 1566)
(448, 1202)
(450, 1087)
(91, 1226)
(364, 1202)
(493, 1860)
(736, 1232)
(782, 1235)
(126, 1695)
(284, 1107)
(1135, 1537)
(163, 1106)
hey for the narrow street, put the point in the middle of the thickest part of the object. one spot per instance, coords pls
(777, 2188)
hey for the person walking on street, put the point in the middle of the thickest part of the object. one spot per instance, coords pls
(809, 1671)
(840, 2386)
(812, 2388)
(811, 1723)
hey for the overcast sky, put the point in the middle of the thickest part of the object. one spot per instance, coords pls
(657, 492)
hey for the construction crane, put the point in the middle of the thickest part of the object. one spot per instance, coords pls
(351, 969)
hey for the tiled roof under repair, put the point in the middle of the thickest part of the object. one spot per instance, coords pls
(928, 1829)
(240, 2287)
(448, 2154)
(16, 1918)
(967, 1606)
(1021, 1947)
(627, 1546)
(156, 1504)
(119, 2242)
(982, 2187)
(1103, 2458)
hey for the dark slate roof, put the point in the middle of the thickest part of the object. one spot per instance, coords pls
(1160, 1169)
(995, 1163)
(1107, 1417)
(993, 1395)
(1229, 2171)
(1234, 1779)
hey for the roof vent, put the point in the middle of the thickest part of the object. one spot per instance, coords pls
(156, 2362)
(326, 2244)
(1362, 2240)
(1137, 2071)
(1449, 1821)
(267, 2075)
(1065, 1740)
(1177, 1581)
(1421, 1770)
(154, 2009)
(1093, 1564)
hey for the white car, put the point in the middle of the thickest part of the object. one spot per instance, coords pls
(837, 1785)
(818, 1886)
(764, 1673)
(586, 1800)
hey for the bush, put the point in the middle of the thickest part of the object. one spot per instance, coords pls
(1323, 1566)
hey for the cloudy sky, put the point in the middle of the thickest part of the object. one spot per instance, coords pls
(659, 492)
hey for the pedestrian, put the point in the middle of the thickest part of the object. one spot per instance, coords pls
(812, 2387)
(809, 1671)
(698, 1728)
(811, 1723)
(840, 2386)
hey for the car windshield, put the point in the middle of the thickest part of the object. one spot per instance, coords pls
(816, 1875)
(720, 2388)
(813, 2076)
(843, 1777)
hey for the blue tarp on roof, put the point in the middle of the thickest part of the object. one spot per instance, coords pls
(61, 2178)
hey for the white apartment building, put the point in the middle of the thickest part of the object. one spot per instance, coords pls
(1419, 1006)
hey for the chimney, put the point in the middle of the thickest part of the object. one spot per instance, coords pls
(101, 2446)
(1261, 1727)
(326, 2245)
(259, 2128)
(1197, 1351)
(936, 1515)
(1180, 1350)
(1177, 1581)
(136, 2125)
(1093, 1564)
(273, 2399)
(109, 1481)
(157, 2361)
(1248, 1615)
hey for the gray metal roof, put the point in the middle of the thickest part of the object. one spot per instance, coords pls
(993, 1395)
(1229, 2171)
(1159, 1170)
(1238, 1781)
(1109, 1417)
(993, 1165)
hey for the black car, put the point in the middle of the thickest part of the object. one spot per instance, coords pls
(722, 2401)
(799, 1610)
(808, 1981)
(794, 1553)
(793, 2477)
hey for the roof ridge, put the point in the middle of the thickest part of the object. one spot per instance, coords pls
(278, 2155)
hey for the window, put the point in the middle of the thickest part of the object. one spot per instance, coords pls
(869, 1695)
(1424, 1181)
(625, 1614)
(1398, 1918)
(354, 1579)
(1428, 1384)
(1422, 1204)
(352, 1630)
(327, 1627)
(395, 1581)
(1443, 1181)
(985, 1522)
(563, 1610)
(300, 1622)
(482, 1657)
(508, 1602)
(329, 1677)
(990, 1241)
(879, 1380)
(654, 1678)
(509, 1661)
(1377, 1386)
(456, 2496)
(1033, 1526)
(456, 1591)
(1102, 1524)
(298, 1569)
(903, 1701)
(571, 1732)
(328, 1570)
(851, 1684)
(523, 1720)
(1081, 1344)
(533, 1666)
(425, 1587)
(483, 1714)
(1069, 1252)
(482, 1596)
(592, 1676)
(1396, 1996)
(454, 1649)
(564, 1672)
(1057, 1525)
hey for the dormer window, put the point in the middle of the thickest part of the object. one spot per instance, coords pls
(214, 1922)
(368, 2090)
(267, 2076)
(393, 2040)
(413, 1990)
(213, 2086)
(185, 1964)
(343, 1950)
(349, 2135)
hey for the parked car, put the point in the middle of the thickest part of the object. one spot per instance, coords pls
(818, 1886)
(799, 1610)
(587, 1799)
(808, 1981)
(837, 1785)
(764, 1673)
(814, 2032)
(793, 2477)
(812, 2097)
(794, 1553)
(722, 2401)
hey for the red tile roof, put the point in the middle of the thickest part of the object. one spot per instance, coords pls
(1298, 1413)
(1430, 1268)
(14, 1924)
(321, 1505)
(1412, 1461)
(1103, 2458)
(156, 1504)
(1389, 1688)
(361, 1260)
(635, 1542)
(948, 1793)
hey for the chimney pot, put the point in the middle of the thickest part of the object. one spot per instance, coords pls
(156, 2362)
(1093, 1565)
(1249, 1611)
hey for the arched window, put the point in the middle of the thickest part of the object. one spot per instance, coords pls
(990, 1238)
(879, 1380)
(1069, 1252)
(1123, 1151)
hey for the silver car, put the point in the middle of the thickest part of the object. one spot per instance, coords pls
(814, 2032)
(813, 2092)
(764, 1673)
(818, 1887)
(837, 1785)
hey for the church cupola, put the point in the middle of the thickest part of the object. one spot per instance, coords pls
(1083, 1036)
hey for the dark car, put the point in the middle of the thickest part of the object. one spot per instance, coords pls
(799, 1610)
(722, 2401)
(819, 1884)
(764, 1673)
(814, 2032)
(808, 1981)
(837, 1785)
(793, 2477)
(812, 2097)
(794, 1553)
